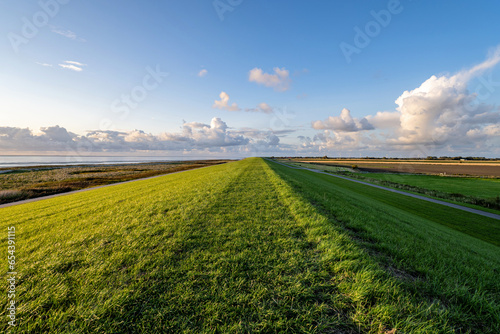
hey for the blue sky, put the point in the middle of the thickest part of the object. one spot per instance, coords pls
(65, 80)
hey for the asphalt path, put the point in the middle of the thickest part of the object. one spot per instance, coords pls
(451, 205)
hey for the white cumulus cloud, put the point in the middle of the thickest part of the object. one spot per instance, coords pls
(442, 109)
(343, 123)
(280, 80)
(385, 120)
(223, 103)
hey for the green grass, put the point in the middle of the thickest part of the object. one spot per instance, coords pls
(456, 274)
(479, 187)
(249, 246)
(483, 228)
(477, 193)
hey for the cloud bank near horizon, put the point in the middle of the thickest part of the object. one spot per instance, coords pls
(194, 136)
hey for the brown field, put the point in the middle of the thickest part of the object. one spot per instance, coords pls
(490, 169)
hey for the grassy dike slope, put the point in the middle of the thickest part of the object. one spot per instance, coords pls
(243, 247)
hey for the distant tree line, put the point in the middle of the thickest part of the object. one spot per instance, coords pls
(459, 158)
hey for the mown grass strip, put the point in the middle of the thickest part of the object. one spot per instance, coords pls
(210, 251)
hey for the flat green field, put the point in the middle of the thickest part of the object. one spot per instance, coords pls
(250, 246)
(479, 187)
(475, 192)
